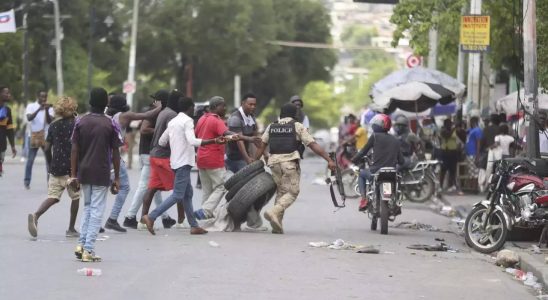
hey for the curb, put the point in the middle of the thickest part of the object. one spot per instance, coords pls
(528, 263)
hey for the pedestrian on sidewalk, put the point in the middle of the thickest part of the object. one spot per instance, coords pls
(181, 139)
(145, 142)
(449, 155)
(211, 162)
(39, 114)
(472, 147)
(161, 175)
(488, 139)
(284, 139)
(95, 148)
(122, 116)
(59, 142)
(6, 126)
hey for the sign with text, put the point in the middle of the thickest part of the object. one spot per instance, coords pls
(7, 21)
(475, 33)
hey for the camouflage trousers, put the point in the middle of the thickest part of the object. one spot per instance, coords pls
(287, 176)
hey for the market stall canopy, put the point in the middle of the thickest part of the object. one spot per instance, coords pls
(509, 103)
(415, 90)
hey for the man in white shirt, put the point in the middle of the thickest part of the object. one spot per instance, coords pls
(180, 137)
(39, 115)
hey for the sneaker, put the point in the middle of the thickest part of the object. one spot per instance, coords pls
(256, 229)
(90, 257)
(78, 251)
(363, 204)
(183, 225)
(113, 224)
(130, 222)
(33, 225)
(274, 222)
(168, 222)
(27, 187)
(72, 234)
(197, 230)
(141, 226)
(101, 230)
(200, 214)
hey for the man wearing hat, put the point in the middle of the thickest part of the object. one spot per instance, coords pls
(119, 111)
(284, 139)
(301, 117)
(145, 142)
(95, 148)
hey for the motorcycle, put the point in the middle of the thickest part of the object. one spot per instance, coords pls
(384, 195)
(517, 197)
(418, 183)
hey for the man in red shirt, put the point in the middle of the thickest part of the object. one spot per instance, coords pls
(211, 158)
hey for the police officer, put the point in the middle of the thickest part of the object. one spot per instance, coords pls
(284, 138)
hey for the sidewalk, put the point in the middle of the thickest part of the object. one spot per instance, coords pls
(529, 260)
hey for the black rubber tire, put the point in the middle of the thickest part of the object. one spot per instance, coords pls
(384, 217)
(244, 173)
(254, 190)
(427, 187)
(235, 188)
(261, 202)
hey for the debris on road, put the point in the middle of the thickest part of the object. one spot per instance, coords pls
(448, 211)
(438, 247)
(439, 240)
(318, 244)
(536, 249)
(103, 238)
(528, 278)
(369, 250)
(416, 226)
(507, 258)
(213, 244)
(89, 272)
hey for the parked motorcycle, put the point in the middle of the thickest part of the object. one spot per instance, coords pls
(517, 197)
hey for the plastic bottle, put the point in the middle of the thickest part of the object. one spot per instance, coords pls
(89, 272)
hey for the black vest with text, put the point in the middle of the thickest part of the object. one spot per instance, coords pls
(283, 138)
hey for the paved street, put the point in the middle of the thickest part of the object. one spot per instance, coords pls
(246, 265)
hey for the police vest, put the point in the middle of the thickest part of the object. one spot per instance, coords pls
(283, 138)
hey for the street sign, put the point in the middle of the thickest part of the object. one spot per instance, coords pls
(475, 33)
(7, 21)
(129, 87)
(413, 61)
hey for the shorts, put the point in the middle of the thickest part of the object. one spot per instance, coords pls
(56, 186)
(161, 175)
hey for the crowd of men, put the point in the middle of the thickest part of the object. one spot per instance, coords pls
(83, 157)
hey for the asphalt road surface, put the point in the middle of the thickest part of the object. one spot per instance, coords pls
(246, 265)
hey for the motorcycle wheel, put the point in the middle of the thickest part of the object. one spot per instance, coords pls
(485, 240)
(421, 192)
(384, 217)
(350, 181)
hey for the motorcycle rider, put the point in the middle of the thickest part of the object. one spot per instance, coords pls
(386, 153)
(410, 143)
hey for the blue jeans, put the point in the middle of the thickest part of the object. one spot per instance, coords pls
(95, 199)
(122, 193)
(235, 165)
(182, 193)
(365, 176)
(30, 162)
(142, 188)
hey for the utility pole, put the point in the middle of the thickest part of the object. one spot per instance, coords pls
(474, 66)
(58, 57)
(132, 52)
(530, 74)
(237, 91)
(433, 48)
(90, 45)
(25, 55)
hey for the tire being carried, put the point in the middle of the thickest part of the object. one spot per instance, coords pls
(238, 186)
(254, 190)
(244, 173)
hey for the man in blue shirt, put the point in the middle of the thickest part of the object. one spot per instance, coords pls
(474, 138)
